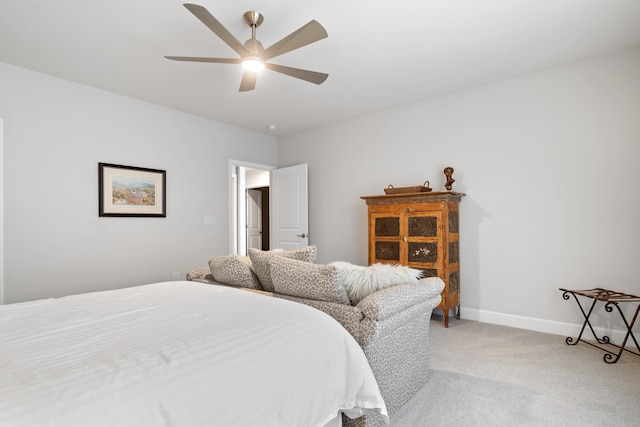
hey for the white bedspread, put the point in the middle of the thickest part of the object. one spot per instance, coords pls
(178, 354)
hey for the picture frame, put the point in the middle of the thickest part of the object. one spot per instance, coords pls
(129, 191)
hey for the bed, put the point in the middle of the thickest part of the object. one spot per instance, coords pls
(179, 354)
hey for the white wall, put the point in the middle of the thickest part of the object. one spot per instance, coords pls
(255, 178)
(1, 216)
(550, 164)
(55, 133)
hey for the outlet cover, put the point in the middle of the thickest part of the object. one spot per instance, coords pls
(209, 219)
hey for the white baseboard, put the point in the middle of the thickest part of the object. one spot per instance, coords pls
(543, 325)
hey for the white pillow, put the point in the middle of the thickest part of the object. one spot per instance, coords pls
(361, 281)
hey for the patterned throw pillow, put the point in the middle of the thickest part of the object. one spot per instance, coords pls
(260, 260)
(200, 275)
(307, 280)
(361, 281)
(234, 270)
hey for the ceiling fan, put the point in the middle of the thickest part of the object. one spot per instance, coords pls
(253, 56)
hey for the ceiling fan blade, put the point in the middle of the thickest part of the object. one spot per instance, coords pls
(307, 34)
(248, 81)
(199, 59)
(310, 76)
(214, 25)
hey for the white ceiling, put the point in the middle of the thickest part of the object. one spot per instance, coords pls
(379, 54)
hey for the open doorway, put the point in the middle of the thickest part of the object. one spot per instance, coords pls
(249, 206)
(283, 213)
(258, 218)
(256, 215)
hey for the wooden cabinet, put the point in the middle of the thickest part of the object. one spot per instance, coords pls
(420, 230)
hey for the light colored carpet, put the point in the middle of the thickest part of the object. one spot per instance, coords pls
(490, 375)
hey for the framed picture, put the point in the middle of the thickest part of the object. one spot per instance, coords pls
(131, 191)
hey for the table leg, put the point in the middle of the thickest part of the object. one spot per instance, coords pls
(609, 356)
(569, 340)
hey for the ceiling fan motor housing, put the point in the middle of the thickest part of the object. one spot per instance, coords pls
(254, 46)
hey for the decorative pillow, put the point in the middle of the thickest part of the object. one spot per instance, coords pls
(234, 270)
(200, 275)
(307, 280)
(361, 281)
(260, 260)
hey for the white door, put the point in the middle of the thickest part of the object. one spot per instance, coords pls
(289, 208)
(254, 219)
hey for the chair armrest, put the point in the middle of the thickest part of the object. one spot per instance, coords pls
(203, 275)
(200, 275)
(398, 347)
(434, 284)
(348, 316)
(392, 300)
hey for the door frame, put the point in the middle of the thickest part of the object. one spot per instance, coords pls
(237, 207)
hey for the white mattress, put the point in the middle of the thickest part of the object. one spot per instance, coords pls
(178, 354)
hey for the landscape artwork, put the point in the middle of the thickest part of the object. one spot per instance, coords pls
(131, 191)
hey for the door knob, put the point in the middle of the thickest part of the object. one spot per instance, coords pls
(303, 235)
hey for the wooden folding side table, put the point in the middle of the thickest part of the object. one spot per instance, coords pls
(611, 299)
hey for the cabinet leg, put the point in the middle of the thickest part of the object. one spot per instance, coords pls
(445, 314)
(458, 312)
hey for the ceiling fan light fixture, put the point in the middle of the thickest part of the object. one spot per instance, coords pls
(253, 63)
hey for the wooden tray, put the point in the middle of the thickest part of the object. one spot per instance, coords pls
(424, 188)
